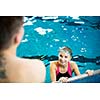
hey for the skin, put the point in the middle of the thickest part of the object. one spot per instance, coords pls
(63, 60)
(22, 70)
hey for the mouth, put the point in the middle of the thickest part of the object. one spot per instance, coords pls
(62, 63)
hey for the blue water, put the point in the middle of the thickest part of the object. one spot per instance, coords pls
(44, 35)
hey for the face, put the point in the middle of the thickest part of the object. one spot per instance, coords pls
(64, 57)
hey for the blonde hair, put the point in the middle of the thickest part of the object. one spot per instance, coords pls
(66, 49)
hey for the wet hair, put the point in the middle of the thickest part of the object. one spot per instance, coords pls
(9, 26)
(66, 49)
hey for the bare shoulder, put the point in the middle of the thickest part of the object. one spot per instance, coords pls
(33, 62)
(37, 62)
(53, 63)
(33, 70)
(73, 64)
(75, 68)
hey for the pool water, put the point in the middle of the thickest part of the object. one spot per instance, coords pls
(44, 35)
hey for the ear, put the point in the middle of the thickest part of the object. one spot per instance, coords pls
(18, 38)
(19, 35)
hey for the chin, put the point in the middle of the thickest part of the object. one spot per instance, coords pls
(62, 64)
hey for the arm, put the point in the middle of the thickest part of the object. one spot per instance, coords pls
(53, 72)
(77, 72)
(75, 68)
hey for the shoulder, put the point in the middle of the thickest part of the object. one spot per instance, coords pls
(37, 62)
(73, 64)
(53, 64)
(34, 70)
(34, 64)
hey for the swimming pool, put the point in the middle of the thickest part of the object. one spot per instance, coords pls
(44, 35)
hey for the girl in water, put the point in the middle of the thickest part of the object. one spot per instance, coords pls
(63, 68)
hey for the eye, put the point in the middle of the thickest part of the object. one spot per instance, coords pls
(66, 56)
(61, 56)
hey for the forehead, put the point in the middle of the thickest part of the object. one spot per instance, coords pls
(64, 53)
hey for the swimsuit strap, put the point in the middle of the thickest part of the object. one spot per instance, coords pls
(69, 69)
(57, 71)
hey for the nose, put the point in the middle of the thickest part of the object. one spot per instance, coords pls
(63, 59)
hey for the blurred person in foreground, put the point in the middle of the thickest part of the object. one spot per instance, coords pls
(13, 68)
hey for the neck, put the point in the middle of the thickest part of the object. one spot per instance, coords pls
(63, 66)
(10, 52)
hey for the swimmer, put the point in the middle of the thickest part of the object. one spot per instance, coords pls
(63, 68)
